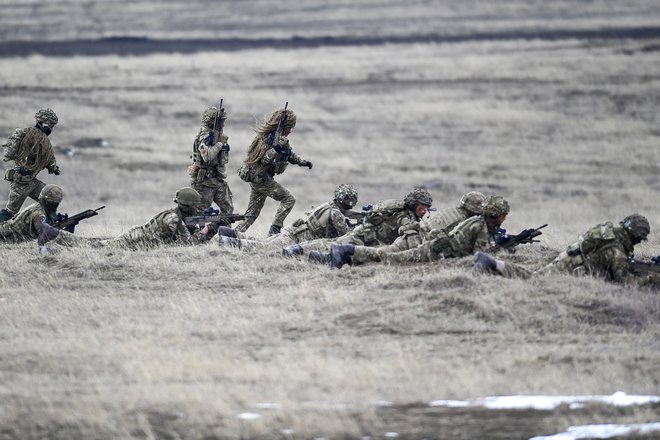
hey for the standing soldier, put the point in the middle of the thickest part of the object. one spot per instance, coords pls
(31, 151)
(268, 155)
(210, 156)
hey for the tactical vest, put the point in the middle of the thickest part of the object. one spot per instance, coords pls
(22, 225)
(317, 224)
(11, 147)
(596, 239)
(157, 229)
(447, 219)
(201, 170)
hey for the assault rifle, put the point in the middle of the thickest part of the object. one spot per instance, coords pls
(274, 138)
(210, 137)
(642, 268)
(357, 216)
(68, 223)
(505, 241)
(212, 216)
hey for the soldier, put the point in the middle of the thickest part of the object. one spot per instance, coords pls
(445, 220)
(475, 233)
(27, 224)
(31, 151)
(266, 157)
(168, 227)
(383, 225)
(210, 156)
(329, 220)
(604, 251)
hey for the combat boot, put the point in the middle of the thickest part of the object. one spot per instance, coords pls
(227, 231)
(274, 230)
(5, 215)
(293, 250)
(229, 241)
(484, 263)
(341, 254)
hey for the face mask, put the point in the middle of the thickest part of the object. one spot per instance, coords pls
(44, 128)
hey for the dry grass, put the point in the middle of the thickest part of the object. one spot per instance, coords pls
(177, 342)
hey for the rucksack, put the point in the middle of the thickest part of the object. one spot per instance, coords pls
(384, 210)
(11, 147)
(597, 238)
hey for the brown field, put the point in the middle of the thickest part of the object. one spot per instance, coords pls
(214, 343)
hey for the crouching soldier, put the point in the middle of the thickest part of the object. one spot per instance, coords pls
(604, 251)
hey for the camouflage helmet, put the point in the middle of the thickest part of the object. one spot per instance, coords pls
(46, 115)
(51, 194)
(347, 195)
(275, 119)
(187, 197)
(473, 202)
(637, 226)
(418, 196)
(208, 117)
(494, 206)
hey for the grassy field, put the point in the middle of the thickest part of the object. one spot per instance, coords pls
(213, 343)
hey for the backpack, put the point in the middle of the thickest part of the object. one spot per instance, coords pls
(13, 143)
(383, 210)
(597, 238)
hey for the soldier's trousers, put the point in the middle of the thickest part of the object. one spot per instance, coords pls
(220, 194)
(259, 192)
(19, 191)
(564, 263)
(394, 255)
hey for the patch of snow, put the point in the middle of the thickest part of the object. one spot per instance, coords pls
(547, 402)
(249, 416)
(391, 434)
(266, 405)
(601, 431)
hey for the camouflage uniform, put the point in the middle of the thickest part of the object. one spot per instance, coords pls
(31, 151)
(328, 220)
(167, 227)
(262, 163)
(28, 223)
(208, 171)
(391, 227)
(473, 234)
(604, 251)
(447, 219)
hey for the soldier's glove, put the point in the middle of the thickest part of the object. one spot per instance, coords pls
(306, 163)
(656, 259)
(53, 169)
(23, 171)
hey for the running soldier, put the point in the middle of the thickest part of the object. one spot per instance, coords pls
(269, 154)
(32, 152)
(210, 156)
